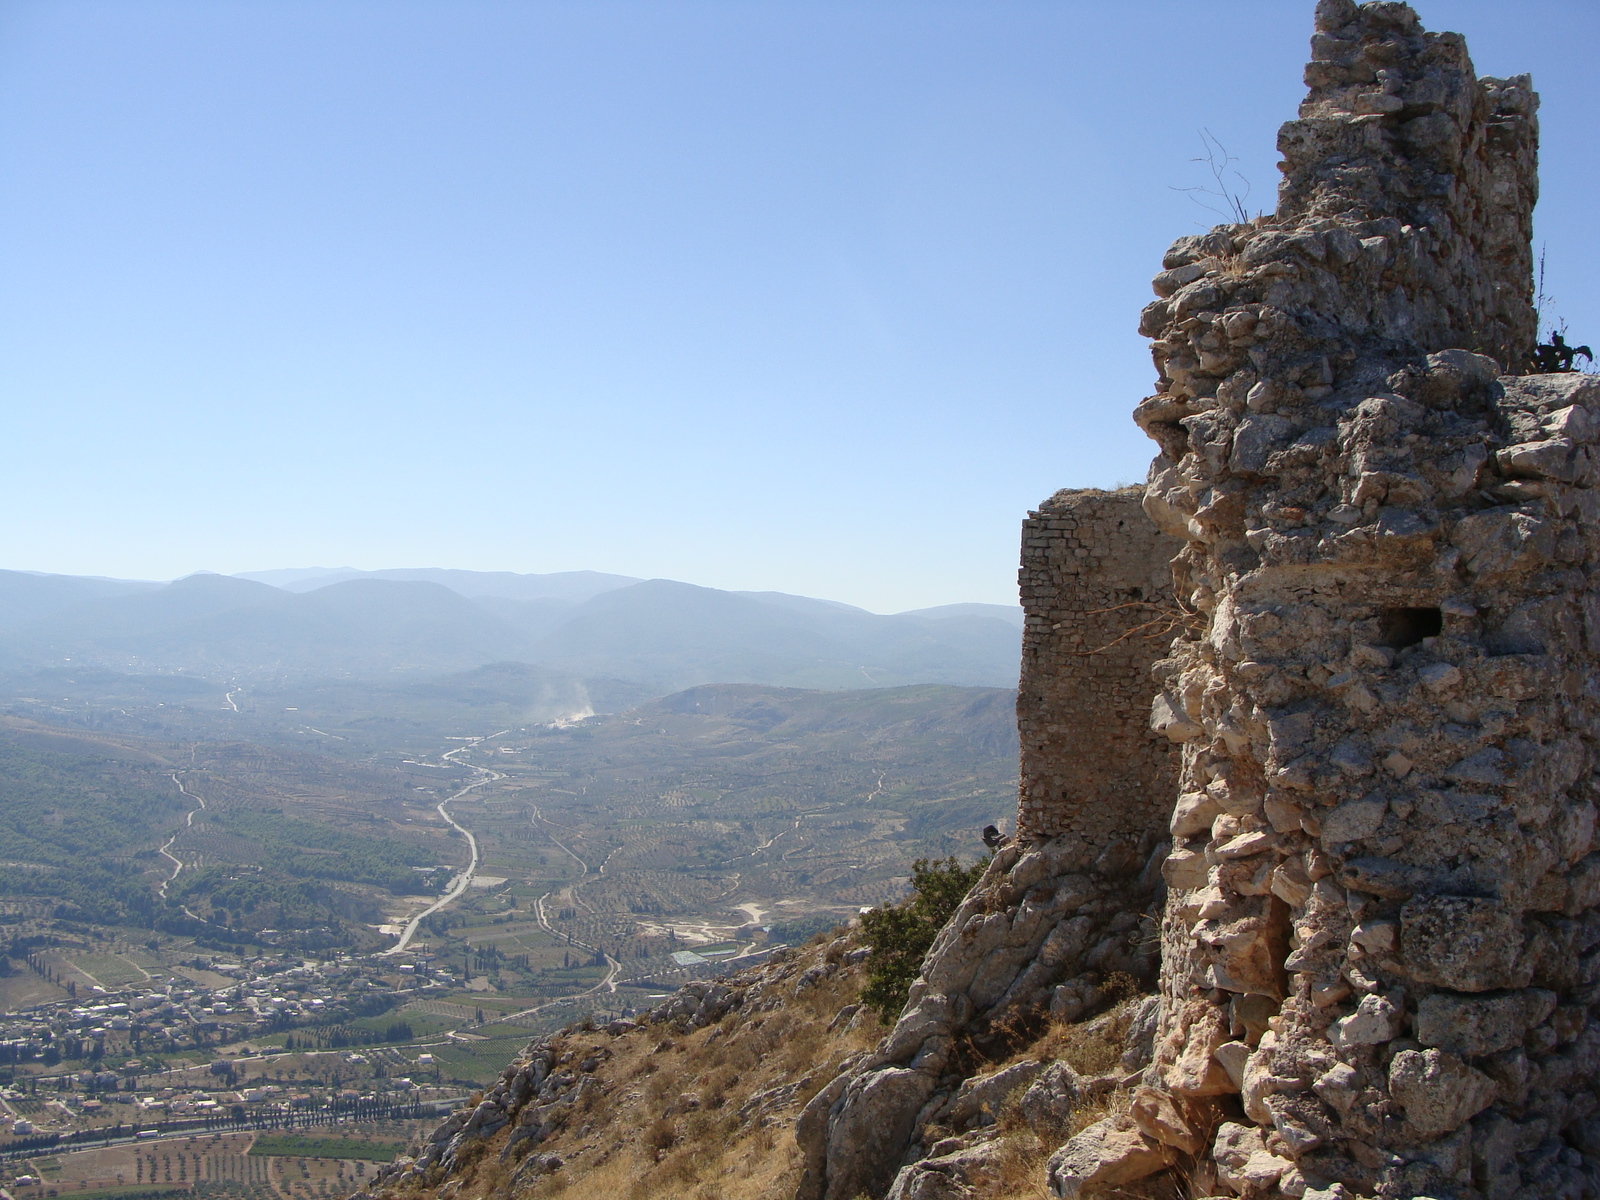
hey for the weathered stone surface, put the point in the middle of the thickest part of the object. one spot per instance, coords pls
(1243, 1161)
(1177, 1121)
(1020, 943)
(1438, 1091)
(1376, 1020)
(1051, 1098)
(869, 1135)
(1465, 943)
(978, 1100)
(958, 1175)
(1109, 1152)
(1471, 1026)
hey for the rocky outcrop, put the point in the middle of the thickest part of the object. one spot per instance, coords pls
(1038, 935)
(1070, 904)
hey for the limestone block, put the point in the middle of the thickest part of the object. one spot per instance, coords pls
(1180, 1122)
(1465, 943)
(1338, 1086)
(1472, 1026)
(1243, 1161)
(1376, 1020)
(1193, 813)
(1186, 1056)
(1354, 819)
(1109, 1152)
(1438, 1091)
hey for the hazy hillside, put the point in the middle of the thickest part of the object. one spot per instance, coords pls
(576, 586)
(656, 635)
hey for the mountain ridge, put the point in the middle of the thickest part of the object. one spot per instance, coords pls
(660, 634)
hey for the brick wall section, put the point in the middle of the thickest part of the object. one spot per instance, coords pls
(1094, 568)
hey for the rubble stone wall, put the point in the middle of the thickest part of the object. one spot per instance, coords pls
(1096, 586)
(1379, 954)
(1067, 904)
(1381, 945)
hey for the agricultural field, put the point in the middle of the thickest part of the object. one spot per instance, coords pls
(252, 884)
(241, 1166)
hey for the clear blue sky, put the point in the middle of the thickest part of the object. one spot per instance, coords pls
(788, 294)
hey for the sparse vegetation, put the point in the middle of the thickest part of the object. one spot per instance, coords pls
(899, 935)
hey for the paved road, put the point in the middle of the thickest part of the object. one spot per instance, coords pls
(464, 880)
(188, 823)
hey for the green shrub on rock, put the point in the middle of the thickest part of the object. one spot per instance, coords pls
(899, 934)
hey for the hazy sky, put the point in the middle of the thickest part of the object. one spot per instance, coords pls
(811, 296)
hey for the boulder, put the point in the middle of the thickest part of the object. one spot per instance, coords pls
(958, 1175)
(978, 1100)
(1049, 1102)
(868, 1137)
(1109, 1152)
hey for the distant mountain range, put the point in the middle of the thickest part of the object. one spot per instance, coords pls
(657, 634)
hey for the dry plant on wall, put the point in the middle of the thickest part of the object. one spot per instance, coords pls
(1554, 355)
(1224, 195)
(1169, 621)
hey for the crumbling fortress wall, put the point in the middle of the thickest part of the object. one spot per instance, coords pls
(1070, 901)
(1097, 599)
(1381, 946)
(1380, 943)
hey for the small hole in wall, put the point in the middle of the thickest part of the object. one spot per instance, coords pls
(1402, 627)
(1136, 593)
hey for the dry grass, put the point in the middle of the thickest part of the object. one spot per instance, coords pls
(668, 1122)
(1092, 1047)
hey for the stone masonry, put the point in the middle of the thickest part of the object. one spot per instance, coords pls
(1097, 594)
(1381, 945)
(1067, 904)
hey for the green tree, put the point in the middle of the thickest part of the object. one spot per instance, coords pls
(899, 935)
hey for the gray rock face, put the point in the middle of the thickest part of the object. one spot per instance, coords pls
(1474, 1026)
(1049, 1102)
(1042, 921)
(956, 1175)
(875, 1122)
(1438, 1091)
(978, 1100)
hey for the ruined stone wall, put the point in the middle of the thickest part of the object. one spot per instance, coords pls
(1381, 947)
(1067, 904)
(1096, 590)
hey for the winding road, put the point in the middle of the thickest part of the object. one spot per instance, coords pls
(464, 880)
(188, 823)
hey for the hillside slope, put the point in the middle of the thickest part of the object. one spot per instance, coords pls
(719, 1093)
